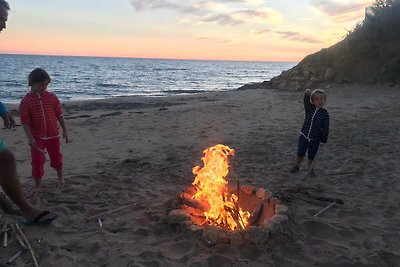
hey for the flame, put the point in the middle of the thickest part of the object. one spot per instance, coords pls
(212, 187)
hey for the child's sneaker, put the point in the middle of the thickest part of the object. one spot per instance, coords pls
(294, 169)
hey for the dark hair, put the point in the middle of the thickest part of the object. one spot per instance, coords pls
(4, 4)
(37, 76)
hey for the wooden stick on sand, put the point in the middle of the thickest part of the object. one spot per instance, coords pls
(324, 209)
(13, 258)
(28, 245)
(110, 211)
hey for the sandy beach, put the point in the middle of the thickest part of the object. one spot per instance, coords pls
(141, 151)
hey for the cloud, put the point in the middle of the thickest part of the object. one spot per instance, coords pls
(219, 40)
(342, 10)
(298, 36)
(291, 35)
(140, 5)
(215, 11)
(260, 16)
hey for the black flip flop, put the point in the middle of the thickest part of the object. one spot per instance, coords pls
(37, 220)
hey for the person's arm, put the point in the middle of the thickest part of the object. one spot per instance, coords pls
(325, 128)
(64, 129)
(28, 134)
(306, 100)
(9, 121)
(60, 118)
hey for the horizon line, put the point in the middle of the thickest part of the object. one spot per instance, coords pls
(150, 58)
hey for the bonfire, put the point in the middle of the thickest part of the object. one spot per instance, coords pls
(211, 187)
(212, 201)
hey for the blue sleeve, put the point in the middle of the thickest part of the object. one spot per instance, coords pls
(325, 128)
(307, 104)
(3, 108)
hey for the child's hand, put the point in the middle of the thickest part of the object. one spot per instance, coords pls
(308, 92)
(9, 121)
(67, 140)
(32, 142)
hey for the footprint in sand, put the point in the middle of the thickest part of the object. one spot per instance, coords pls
(178, 251)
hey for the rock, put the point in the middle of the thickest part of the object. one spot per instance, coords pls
(329, 74)
(256, 235)
(248, 189)
(223, 236)
(236, 238)
(281, 209)
(276, 225)
(194, 228)
(261, 193)
(177, 217)
(274, 201)
(210, 235)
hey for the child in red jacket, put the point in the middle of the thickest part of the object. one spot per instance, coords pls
(40, 113)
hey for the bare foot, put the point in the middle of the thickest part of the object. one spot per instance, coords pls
(36, 191)
(61, 182)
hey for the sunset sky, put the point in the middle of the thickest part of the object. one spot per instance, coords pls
(265, 30)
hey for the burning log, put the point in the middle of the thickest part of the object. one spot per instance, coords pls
(255, 215)
(194, 203)
(236, 217)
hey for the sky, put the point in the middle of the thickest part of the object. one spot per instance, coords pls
(260, 30)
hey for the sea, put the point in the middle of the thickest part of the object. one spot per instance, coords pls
(86, 78)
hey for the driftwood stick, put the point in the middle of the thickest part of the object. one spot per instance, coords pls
(342, 173)
(17, 236)
(101, 190)
(238, 198)
(194, 203)
(255, 215)
(100, 222)
(324, 209)
(13, 258)
(5, 239)
(309, 200)
(28, 245)
(67, 201)
(110, 211)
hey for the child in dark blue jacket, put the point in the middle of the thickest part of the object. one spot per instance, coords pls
(315, 129)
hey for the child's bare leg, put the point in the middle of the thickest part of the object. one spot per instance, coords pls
(38, 185)
(298, 162)
(61, 181)
(310, 162)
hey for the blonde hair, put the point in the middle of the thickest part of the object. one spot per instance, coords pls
(317, 91)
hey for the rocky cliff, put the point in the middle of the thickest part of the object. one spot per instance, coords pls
(370, 54)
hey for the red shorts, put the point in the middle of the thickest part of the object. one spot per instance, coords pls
(53, 147)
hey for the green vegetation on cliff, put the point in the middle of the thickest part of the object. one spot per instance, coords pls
(369, 54)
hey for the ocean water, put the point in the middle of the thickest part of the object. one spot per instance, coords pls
(81, 78)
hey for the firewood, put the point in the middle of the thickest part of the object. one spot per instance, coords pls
(194, 203)
(110, 211)
(255, 215)
(13, 258)
(35, 263)
(100, 190)
(324, 209)
(73, 202)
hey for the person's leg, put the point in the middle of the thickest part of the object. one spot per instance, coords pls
(53, 147)
(301, 152)
(38, 160)
(10, 183)
(12, 187)
(312, 152)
